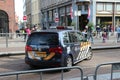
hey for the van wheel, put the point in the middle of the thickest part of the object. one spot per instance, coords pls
(89, 54)
(69, 61)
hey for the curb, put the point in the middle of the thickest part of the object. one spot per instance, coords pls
(2, 54)
(105, 47)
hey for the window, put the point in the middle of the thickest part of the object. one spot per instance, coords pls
(68, 9)
(62, 16)
(108, 7)
(43, 39)
(100, 6)
(68, 20)
(80, 7)
(118, 7)
(80, 36)
(65, 38)
(73, 37)
(86, 7)
(50, 15)
(54, 11)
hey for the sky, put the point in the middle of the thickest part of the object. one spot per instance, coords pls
(19, 8)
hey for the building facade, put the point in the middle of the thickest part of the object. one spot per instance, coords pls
(32, 11)
(35, 13)
(28, 12)
(7, 16)
(77, 13)
(68, 13)
(106, 12)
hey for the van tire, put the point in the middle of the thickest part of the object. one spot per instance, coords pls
(68, 63)
(89, 54)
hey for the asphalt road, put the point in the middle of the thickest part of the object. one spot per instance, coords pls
(16, 63)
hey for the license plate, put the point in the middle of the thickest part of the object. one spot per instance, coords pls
(40, 54)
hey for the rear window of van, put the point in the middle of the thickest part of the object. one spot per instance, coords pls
(43, 38)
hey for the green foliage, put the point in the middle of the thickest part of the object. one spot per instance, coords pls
(90, 24)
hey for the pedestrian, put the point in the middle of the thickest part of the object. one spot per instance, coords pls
(36, 28)
(104, 35)
(90, 34)
(17, 33)
(84, 33)
(118, 33)
(98, 29)
(32, 29)
(28, 32)
(24, 33)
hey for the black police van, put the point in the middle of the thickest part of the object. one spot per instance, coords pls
(56, 48)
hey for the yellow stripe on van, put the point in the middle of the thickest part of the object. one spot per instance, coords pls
(49, 56)
(83, 45)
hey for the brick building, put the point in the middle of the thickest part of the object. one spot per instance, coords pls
(7, 16)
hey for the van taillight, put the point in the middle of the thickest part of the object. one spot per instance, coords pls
(28, 48)
(56, 50)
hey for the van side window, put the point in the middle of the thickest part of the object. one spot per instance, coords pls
(73, 37)
(65, 38)
(80, 36)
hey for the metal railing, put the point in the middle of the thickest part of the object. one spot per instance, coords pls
(18, 73)
(7, 38)
(114, 66)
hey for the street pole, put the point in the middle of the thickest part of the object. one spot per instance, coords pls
(114, 23)
(77, 14)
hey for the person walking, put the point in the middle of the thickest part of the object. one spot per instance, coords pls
(84, 33)
(118, 34)
(98, 29)
(104, 35)
(90, 34)
(28, 32)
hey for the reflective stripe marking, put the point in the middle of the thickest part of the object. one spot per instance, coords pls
(84, 47)
(49, 56)
(31, 54)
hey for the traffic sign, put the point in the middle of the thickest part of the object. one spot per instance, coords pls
(24, 18)
(56, 19)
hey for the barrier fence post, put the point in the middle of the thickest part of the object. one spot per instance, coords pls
(6, 40)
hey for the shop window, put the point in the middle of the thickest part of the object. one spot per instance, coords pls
(62, 20)
(69, 20)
